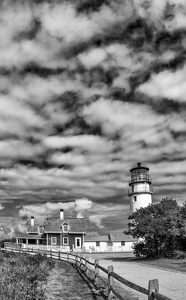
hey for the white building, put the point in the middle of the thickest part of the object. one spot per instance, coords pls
(114, 241)
(140, 191)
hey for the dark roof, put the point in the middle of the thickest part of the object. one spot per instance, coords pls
(96, 238)
(32, 228)
(120, 236)
(139, 166)
(29, 236)
(76, 225)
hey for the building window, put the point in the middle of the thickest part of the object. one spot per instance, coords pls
(40, 229)
(65, 241)
(132, 189)
(53, 240)
(65, 227)
(135, 198)
(122, 243)
(97, 244)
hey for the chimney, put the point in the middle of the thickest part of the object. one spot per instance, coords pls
(32, 221)
(61, 214)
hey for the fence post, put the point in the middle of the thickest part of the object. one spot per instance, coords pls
(83, 263)
(80, 260)
(110, 281)
(76, 260)
(28, 250)
(86, 265)
(50, 252)
(59, 254)
(67, 256)
(96, 270)
(153, 287)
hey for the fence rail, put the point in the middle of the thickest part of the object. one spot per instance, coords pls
(83, 263)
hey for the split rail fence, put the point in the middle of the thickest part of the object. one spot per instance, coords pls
(92, 270)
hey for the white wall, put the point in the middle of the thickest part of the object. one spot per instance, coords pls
(101, 248)
(143, 200)
(104, 247)
(117, 246)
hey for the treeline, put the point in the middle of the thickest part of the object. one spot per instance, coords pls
(160, 229)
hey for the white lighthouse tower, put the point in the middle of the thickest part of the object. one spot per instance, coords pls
(140, 191)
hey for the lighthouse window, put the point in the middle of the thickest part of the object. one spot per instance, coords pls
(135, 198)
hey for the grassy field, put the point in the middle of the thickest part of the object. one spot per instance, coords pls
(164, 263)
(66, 282)
(22, 276)
(178, 265)
(26, 277)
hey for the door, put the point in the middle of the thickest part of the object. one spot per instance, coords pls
(77, 242)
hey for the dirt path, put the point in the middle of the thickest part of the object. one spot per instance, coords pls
(172, 284)
(64, 283)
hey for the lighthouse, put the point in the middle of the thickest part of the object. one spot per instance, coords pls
(140, 191)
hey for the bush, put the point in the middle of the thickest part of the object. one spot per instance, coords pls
(22, 276)
(12, 240)
(179, 255)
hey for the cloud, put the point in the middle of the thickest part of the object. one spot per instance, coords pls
(17, 117)
(81, 205)
(1, 207)
(96, 213)
(166, 84)
(91, 143)
(93, 58)
(41, 211)
(102, 214)
(85, 93)
(116, 116)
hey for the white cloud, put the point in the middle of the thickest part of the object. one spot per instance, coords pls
(115, 115)
(63, 22)
(17, 117)
(81, 205)
(166, 84)
(91, 143)
(41, 211)
(71, 158)
(93, 57)
(1, 207)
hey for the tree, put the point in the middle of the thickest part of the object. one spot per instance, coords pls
(160, 228)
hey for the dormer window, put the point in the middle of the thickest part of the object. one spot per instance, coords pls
(65, 227)
(40, 229)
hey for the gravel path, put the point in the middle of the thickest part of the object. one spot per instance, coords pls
(172, 284)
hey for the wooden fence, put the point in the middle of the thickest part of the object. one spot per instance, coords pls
(93, 269)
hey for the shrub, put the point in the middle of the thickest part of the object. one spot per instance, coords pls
(179, 255)
(22, 276)
(12, 240)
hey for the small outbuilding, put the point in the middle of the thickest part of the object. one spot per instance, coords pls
(114, 241)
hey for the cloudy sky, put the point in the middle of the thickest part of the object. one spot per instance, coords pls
(87, 89)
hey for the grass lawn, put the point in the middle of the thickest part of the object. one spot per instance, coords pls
(164, 263)
(66, 282)
(27, 277)
(178, 265)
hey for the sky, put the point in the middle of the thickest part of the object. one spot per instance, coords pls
(88, 89)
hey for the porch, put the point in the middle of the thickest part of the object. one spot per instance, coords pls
(31, 247)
